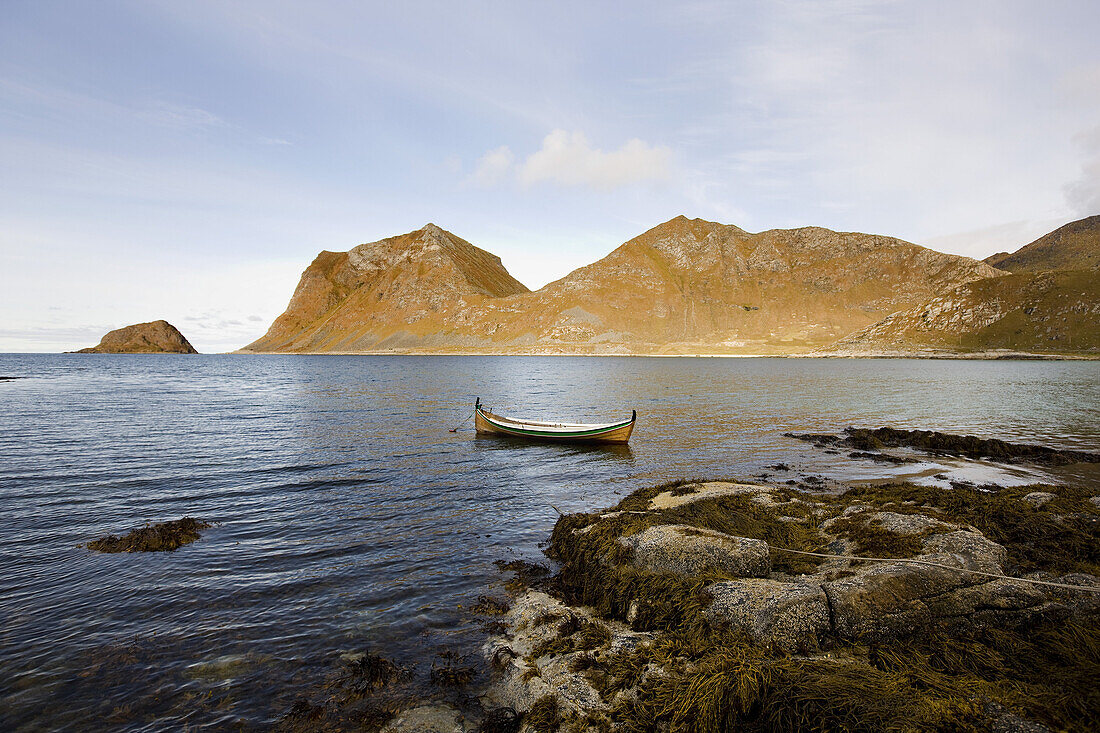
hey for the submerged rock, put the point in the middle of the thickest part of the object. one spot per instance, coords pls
(864, 439)
(161, 537)
(436, 718)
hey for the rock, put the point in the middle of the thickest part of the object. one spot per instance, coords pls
(887, 599)
(1095, 500)
(909, 524)
(891, 599)
(791, 616)
(223, 668)
(533, 619)
(1003, 720)
(155, 337)
(436, 718)
(1039, 498)
(708, 490)
(965, 549)
(677, 548)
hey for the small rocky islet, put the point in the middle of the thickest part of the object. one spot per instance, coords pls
(154, 337)
(683, 608)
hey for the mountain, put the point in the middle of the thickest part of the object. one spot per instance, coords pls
(1075, 246)
(1049, 304)
(1046, 312)
(685, 286)
(378, 295)
(155, 337)
(690, 286)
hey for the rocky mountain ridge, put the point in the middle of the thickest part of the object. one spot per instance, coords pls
(684, 286)
(1075, 246)
(1049, 304)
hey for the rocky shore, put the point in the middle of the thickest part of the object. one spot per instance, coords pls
(727, 605)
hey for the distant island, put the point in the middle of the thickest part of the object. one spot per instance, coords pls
(690, 286)
(155, 337)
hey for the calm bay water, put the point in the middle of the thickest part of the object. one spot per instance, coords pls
(350, 518)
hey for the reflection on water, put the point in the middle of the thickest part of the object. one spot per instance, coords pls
(350, 517)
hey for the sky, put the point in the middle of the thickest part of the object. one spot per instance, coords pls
(187, 160)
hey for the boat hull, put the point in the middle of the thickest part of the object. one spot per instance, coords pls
(487, 423)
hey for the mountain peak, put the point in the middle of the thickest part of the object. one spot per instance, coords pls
(1074, 246)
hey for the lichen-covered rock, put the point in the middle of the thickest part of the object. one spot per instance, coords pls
(891, 599)
(522, 679)
(685, 550)
(429, 719)
(888, 599)
(1039, 498)
(966, 549)
(908, 524)
(791, 616)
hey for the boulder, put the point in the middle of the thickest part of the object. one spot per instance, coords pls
(908, 524)
(1039, 498)
(521, 681)
(791, 616)
(966, 549)
(890, 599)
(708, 490)
(685, 550)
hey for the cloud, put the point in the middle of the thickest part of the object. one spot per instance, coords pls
(1083, 195)
(182, 116)
(980, 243)
(568, 159)
(493, 167)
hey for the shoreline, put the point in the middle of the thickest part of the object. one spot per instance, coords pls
(938, 356)
(679, 609)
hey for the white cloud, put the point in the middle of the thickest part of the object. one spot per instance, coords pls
(493, 167)
(980, 243)
(569, 159)
(182, 116)
(1083, 195)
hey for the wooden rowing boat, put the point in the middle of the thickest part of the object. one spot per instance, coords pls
(488, 423)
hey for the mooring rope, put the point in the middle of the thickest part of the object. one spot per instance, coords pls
(456, 427)
(1067, 586)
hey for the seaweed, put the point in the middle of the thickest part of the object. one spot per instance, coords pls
(574, 634)
(525, 575)
(934, 680)
(1061, 536)
(873, 540)
(930, 441)
(160, 537)
(695, 676)
(544, 715)
(501, 720)
(489, 606)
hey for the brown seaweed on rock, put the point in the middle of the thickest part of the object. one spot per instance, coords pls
(929, 441)
(160, 537)
(970, 672)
